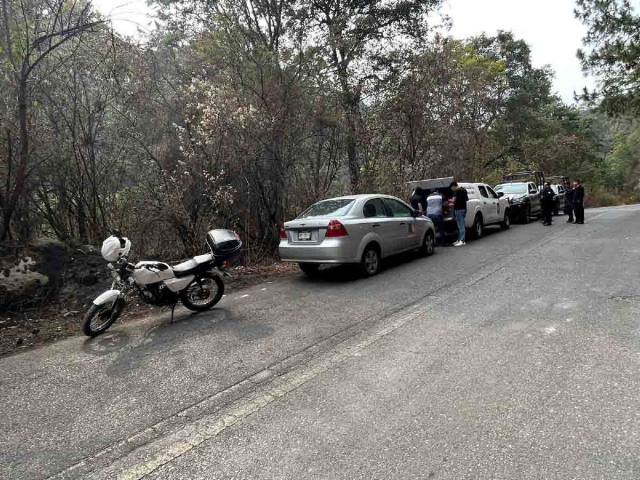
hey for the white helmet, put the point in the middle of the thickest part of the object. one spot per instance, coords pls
(115, 247)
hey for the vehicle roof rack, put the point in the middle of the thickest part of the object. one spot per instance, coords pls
(565, 180)
(511, 177)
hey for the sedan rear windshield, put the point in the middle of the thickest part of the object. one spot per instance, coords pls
(511, 188)
(329, 208)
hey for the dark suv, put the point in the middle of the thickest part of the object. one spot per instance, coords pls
(523, 190)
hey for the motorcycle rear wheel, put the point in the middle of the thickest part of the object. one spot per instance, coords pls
(199, 297)
(99, 318)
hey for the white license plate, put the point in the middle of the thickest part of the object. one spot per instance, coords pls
(304, 236)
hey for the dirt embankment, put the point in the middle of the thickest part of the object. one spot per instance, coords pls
(46, 289)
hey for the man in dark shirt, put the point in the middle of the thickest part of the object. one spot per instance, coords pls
(460, 199)
(578, 202)
(568, 203)
(417, 200)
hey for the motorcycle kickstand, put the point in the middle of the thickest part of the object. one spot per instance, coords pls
(173, 308)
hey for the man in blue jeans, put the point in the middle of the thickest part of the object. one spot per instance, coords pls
(434, 212)
(460, 210)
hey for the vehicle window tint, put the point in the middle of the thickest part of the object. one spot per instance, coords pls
(483, 191)
(374, 208)
(492, 194)
(335, 208)
(397, 209)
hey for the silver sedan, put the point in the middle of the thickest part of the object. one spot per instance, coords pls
(357, 229)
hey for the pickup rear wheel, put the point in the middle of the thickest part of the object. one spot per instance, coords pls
(477, 227)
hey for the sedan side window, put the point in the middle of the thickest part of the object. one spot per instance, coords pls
(532, 188)
(374, 208)
(397, 209)
(492, 194)
(483, 191)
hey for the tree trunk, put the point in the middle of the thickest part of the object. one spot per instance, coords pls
(23, 156)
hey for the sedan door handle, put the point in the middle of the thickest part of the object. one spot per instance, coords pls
(375, 225)
(403, 224)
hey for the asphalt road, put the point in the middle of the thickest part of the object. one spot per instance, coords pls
(516, 357)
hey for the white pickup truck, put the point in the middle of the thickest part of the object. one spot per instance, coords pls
(485, 206)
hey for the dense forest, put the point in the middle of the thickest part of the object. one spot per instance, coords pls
(240, 113)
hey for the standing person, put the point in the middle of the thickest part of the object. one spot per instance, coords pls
(547, 203)
(434, 212)
(417, 200)
(460, 199)
(578, 202)
(568, 203)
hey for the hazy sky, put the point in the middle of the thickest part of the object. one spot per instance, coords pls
(547, 25)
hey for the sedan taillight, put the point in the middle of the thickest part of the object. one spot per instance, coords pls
(283, 233)
(336, 229)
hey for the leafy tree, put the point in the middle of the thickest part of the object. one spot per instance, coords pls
(355, 38)
(613, 53)
(32, 34)
(528, 92)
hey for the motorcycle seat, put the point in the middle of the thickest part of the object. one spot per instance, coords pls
(187, 268)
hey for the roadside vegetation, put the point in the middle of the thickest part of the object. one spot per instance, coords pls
(240, 113)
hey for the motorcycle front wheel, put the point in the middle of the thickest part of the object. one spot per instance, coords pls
(203, 293)
(99, 318)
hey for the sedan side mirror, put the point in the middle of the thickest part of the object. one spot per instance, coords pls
(500, 194)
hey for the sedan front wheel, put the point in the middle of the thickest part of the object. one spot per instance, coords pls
(428, 246)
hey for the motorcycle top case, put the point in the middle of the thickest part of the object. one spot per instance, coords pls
(225, 245)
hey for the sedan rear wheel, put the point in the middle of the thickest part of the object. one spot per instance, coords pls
(370, 263)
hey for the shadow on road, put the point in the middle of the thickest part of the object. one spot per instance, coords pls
(349, 273)
(165, 339)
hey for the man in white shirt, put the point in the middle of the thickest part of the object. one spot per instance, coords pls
(434, 212)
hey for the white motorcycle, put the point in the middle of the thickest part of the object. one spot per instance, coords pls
(197, 283)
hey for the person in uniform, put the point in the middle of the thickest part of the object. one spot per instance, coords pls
(568, 204)
(578, 202)
(547, 203)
